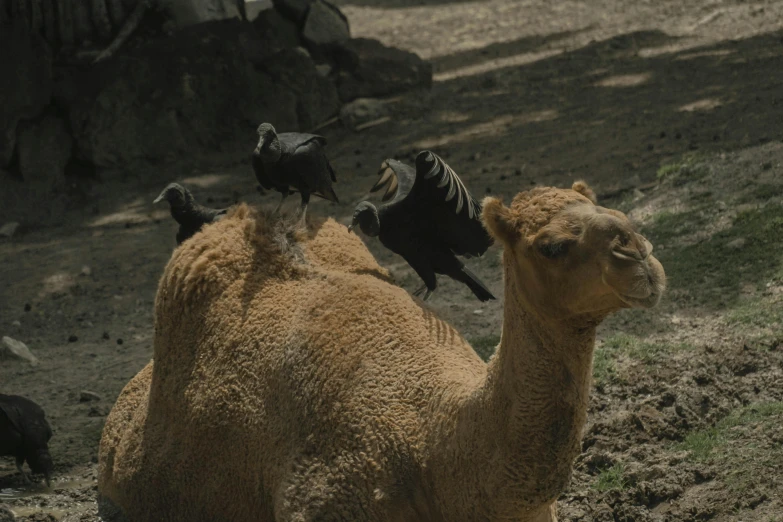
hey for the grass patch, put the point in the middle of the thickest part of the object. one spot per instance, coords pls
(762, 192)
(718, 441)
(485, 346)
(710, 272)
(763, 315)
(691, 167)
(611, 479)
(624, 345)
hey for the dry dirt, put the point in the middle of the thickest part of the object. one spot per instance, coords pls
(685, 419)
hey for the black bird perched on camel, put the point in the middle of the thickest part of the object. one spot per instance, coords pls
(293, 162)
(190, 215)
(430, 219)
(25, 434)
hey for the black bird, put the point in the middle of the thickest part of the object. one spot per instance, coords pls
(25, 434)
(190, 215)
(430, 219)
(293, 162)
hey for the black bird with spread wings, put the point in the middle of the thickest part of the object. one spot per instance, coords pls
(190, 215)
(293, 162)
(25, 434)
(429, 219)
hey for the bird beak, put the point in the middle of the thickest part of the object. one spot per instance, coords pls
(350, 228)
(158, 199)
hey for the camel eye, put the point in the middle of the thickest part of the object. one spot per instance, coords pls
(624, 240)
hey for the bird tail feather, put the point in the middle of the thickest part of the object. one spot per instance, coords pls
(478, 288)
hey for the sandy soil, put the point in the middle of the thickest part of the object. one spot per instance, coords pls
(685, 419)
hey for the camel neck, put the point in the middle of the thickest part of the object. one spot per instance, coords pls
(532, 408)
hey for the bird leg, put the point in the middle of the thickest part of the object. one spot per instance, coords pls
(19, 464)
(302, 221)
(423, 290)
(285, 195)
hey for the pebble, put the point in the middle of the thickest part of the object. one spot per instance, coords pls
(86, 270)
(88, 396)
(106, 335)
(9, 229)
(736, 244)
(27, 307)
(19, 350)
(17, 323)
(72, 338)
(119, 341)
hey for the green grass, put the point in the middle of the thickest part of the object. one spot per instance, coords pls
(691, 167)
(485, 346)
(758, 313)
(611, 479)
(624, 345)
(717, 441)
(710, 273)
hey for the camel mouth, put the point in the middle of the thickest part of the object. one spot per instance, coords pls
(642, 302)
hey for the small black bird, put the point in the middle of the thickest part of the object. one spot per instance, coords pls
(25, 434)
(430, 219)
(190, 215)
(293, 162)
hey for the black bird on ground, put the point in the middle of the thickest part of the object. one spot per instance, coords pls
(190, 215)
(293, 162)
(430, 219)
(25, 434)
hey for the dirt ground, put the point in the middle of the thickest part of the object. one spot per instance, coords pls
(671, 110)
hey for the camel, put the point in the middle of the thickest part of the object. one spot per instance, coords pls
(293, 382)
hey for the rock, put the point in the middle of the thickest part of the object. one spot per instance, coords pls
(191, 13)
(9, 229)
(88, 396)
(362, 111)
(275, 31)
(86, 271)
(25, 82)
(255, 8)
(294, 10)
(45, 148)
(6, 515)
(316, 96)
(19, 350)
(736, 244)
(369, 69)
(325, 24)
(193, 93)
(73, 338)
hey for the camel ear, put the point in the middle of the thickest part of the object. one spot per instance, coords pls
(585, 190)
(499, 221)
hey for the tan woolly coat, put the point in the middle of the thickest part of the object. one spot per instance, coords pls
(293, 382)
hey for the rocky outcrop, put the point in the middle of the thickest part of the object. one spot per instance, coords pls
(197, 92)
(367, 68)
(25, 82)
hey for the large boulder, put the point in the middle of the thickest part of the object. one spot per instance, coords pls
(274, 32)
(325, 24)
(45, 147)
(316, 95)
(25, 82)
(368, 69)
(195, 92)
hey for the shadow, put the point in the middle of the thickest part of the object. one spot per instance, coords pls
(398, 4)
(501, 50)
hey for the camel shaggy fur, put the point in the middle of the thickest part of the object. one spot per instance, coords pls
(293, 382)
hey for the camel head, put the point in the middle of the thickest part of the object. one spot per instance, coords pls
(569, 257)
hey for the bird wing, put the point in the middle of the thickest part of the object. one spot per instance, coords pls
(398, 180)
(442, 198)
(309, 165)
(293, 140)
